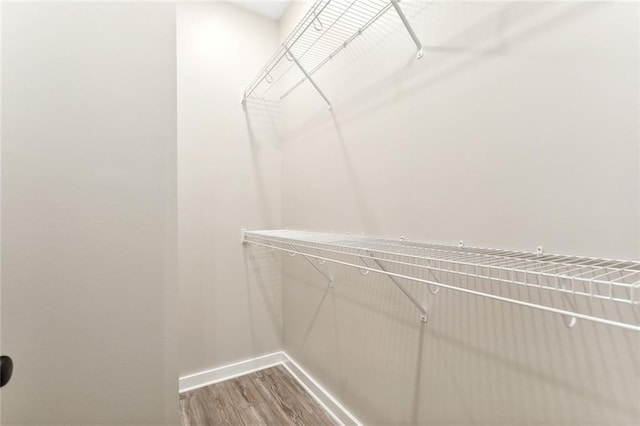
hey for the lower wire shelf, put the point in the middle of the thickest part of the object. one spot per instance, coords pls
(565, 285)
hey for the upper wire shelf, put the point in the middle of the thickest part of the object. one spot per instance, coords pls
(563, 284)
(326, 29)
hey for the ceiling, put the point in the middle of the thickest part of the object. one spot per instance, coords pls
(272, 9)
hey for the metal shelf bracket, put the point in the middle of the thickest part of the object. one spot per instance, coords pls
(329, 279)
(407, 25)
(308, 77)
(423, 312)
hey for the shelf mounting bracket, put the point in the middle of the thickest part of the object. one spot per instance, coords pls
(313, 264)
(308, 77)
(407, 25)
(423, 312)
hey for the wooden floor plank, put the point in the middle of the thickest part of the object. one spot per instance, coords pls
(185, 416)
(267, 397)
(284, 404)
(320, 416)
(283, 386)
(219, 405)
(263, 414)
(195, 412)
(243, 392)
(282, 414)
(289, 402)
(251, 416)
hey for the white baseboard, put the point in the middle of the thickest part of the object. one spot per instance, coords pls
(324, 398)
(226, 372)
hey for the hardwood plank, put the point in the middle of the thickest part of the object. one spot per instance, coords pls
(220, 404)
(251, 416)
(264, 414)
(270, 409)
(194, 412)
(319, 414)
(306, 400)
(268, 397)
(286, 400)
(183, 412)
(243, 392)
(261, 382)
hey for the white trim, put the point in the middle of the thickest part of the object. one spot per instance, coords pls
(226, 372)
(315, 389)
(324, 398)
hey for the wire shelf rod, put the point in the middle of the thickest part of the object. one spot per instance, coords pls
(326, 29)
(556, 269)
(459, 262)
(488, 276)
(503, 253)
(344, 45)
(600, 268)
(473, 292)
(535, 260)
(414, 256)
(311, 44)
(282, 52)
(485, 252)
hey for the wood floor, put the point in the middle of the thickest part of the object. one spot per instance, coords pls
(267, 397)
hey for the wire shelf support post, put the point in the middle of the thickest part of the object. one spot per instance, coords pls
(407, 25)
(316, 267)
(423, 312)
(308, 77)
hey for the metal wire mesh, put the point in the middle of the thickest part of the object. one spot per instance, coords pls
(613, 281)
(327, 28)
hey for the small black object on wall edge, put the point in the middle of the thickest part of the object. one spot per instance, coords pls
(6, 369)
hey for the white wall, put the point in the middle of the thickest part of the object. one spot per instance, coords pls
(228, 179)
(1, 351)
(487, 122)
(518, 128)
(88, 213)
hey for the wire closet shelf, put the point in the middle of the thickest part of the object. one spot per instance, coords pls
(490, 273)
(325, 30)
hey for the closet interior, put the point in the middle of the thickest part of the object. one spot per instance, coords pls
(358, 212)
